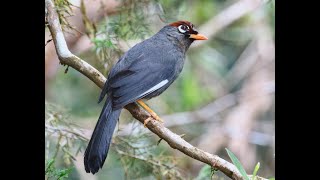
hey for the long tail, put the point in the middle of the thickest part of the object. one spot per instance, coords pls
(98, 147)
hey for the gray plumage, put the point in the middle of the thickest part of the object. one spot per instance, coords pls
(147, 64)
(144, 66)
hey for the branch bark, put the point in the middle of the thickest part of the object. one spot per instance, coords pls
(174, 140)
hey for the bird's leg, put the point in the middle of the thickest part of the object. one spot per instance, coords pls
(150, 111)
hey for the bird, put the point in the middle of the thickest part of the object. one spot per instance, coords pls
(145, 71)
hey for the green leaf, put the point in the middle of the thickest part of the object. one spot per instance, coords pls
(272, 178)
(204, 173)
(49, 165)
(256, 168)
(59, 174)
(237, 163)
(109, 44)
(63, 173)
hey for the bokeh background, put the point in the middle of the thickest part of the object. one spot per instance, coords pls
(224, 97)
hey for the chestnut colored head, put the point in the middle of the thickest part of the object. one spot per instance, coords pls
(187, 28)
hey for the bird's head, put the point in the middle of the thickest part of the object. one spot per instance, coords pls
(183, 33)
(187, 29)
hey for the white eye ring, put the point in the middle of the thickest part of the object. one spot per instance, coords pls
(182, 30)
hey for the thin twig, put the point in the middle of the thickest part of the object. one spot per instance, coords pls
(143, 159)
(174, 140)
(48, 42)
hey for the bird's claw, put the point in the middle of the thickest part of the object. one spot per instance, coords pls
(152, 116)
(156, 117)
(145, 122)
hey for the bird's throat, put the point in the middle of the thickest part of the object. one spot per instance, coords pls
(181, 42)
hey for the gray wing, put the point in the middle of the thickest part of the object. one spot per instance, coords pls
(137, 81)
(145, 68)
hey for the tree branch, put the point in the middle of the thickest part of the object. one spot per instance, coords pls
(175, 141)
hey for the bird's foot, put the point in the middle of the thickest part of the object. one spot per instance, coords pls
(152, 116)
(145, 122)
(156, 117)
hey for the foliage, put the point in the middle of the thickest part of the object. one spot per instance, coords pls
(64, 10)
(255, 171)
(140, 157)
(240, 168)
(205, 173)
(237, 163)
(130, 23)
(61, 134)
(51, 172)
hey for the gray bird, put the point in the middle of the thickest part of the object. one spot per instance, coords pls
(143, 72)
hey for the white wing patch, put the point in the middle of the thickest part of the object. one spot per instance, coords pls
(158, 86)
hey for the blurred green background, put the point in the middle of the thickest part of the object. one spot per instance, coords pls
(226, 88)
